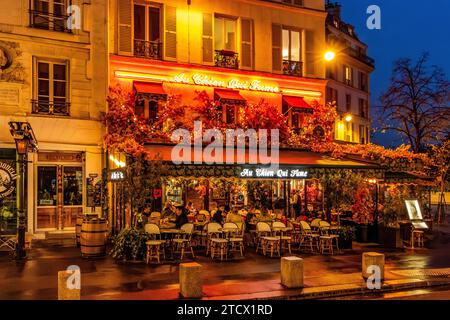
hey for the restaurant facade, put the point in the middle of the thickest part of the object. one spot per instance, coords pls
(237, 52)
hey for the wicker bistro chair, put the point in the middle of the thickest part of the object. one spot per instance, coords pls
(212, 232)
(235, 239)
(278, 230)
(265, 240)
(308, 238)
(183, 241)
(296, 231)
(315, 224)
(326, 232)
(262, 230)
(155, 246)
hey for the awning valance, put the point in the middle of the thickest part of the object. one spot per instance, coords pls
(229, 95)
(298, 103)
(149, 87)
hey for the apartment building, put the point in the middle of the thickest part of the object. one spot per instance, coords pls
(348, 75)
(54, 76)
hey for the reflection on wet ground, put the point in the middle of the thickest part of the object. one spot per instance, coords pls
(37, 277)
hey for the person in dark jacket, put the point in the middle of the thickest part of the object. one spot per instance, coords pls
(218, 216)
(181, 217)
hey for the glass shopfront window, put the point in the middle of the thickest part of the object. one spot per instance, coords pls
(8, 209)
(73, 186)
(47, 186)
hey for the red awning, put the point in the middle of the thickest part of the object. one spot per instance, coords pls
(149, 87)
(297, 102)
(229, 95)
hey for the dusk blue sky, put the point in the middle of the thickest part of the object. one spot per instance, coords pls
(408, 28)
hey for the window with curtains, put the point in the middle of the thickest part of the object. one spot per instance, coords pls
(225, 42)
(51, 87)
(348, 75)
(147, 31)
(291, 52)
(49, 14)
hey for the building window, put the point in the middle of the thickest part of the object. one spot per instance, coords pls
(294, 2)
(225, 43)
(49, 14)
(291, 52)
(46, 186)
(225, 34)
(348, 102)
(363, 108)
(363, 81)
(51, 88)
(348, 75)
(147, 32)
(72, 186)
(332, 95)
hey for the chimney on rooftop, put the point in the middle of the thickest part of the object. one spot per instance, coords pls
(334, 9)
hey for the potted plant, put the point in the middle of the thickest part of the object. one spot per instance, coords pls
(363, 211)
(346, 236)
(388, 229)
(129, 244)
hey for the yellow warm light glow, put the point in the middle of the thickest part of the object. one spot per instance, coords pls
(348, 118)
(301, 92)
(117, 162)
(329, 55)
(138, 75)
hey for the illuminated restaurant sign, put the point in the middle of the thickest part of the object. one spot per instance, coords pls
(233, 83)
(273, 173)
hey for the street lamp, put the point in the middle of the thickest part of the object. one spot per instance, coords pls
(25, 142)
(329, 55)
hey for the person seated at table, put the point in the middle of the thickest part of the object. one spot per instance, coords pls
(264, 216)
(168, 211)
(190, 208)
(218, 215)
(234, 216)
(182, 217)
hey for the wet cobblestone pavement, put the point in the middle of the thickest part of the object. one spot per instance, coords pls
(110, 279)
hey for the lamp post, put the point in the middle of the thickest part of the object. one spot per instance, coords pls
(25, 141)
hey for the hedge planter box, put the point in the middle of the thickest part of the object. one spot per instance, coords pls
(390, 237)
(345, 243)
(362, 234)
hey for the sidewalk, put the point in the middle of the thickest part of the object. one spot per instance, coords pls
(255, 277)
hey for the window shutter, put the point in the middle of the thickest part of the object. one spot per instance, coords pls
(125, 27)
(276, 47)
(309, 53)
(246, 43)
(171, 33)
(207, 38)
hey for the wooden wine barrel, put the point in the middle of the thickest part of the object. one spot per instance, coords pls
(93, 237)
(78, 228)
(79, 222)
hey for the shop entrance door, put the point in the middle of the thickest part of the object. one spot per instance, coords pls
(59, 196)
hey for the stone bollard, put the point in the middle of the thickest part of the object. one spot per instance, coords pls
(292, 272)
(370, 259)
(64, 291)
(191, 281)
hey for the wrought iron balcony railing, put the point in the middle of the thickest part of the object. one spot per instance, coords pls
(292, 68)
(148, 49)
(49, 21)
(51, 108)
(360, 56)
(226, 59)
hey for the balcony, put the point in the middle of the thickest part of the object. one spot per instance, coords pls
(49, 21)
(148, 49)
(51, 108)
(360, 56)
(226, 59)
(292, 68)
